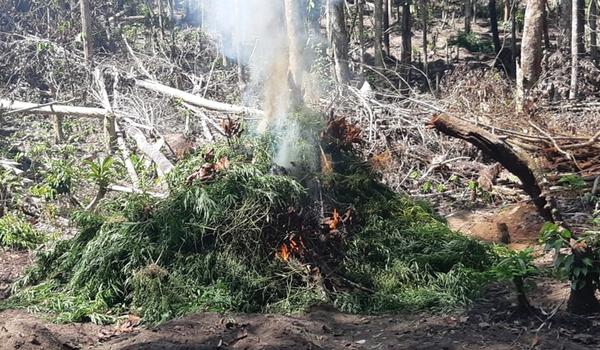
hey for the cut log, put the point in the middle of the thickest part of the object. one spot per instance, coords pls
(197, 100)
(32, 108)
(163, 165)
(498, 150)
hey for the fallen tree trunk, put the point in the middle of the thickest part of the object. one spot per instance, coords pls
(500, 151)
(163, 165)
(32, 108)
(197, 100)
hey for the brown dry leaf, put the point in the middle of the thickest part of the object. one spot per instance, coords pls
(382, 160)
(206, 173)
(343, 132)
(222, 164)
(231, 128)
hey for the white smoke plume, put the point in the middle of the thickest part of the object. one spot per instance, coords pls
(254, 33)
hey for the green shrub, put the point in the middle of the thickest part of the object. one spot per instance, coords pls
(472, 42)
(17, 233)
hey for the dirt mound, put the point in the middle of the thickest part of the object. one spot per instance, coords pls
(522, 220)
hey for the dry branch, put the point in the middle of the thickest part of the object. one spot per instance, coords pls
(196, 100)
(500, 151)
(32, 108)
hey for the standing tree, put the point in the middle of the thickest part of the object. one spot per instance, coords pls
(296, 34)
(86, 31)
(339, 40)
(386, 27)
(574, 50)
(425, 17)
(580, 26)
(378, 21)
(593, 23)
(564, 39)
(468, 15)
(406, 53)
(531, 46)
(361, 33)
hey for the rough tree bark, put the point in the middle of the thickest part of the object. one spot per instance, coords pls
(424, 18)
(86, 31)
(468, 15)
(574, 50)
(494, 26)
(294, 17)
(531, 47)
(378, 21)
(386, 27)
(593, 23)
(361, 34)
(406, 53)
(580, 27)
(339, 40)
(564, 39)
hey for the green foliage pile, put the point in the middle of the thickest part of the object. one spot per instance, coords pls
(472, 42)
(211, 246)
(17, 233)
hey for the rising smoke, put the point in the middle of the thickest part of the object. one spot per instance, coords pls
(269, 38)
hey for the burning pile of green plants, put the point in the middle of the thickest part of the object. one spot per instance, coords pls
(240, 233)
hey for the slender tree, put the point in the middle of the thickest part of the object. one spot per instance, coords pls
(574, 50)
(86, 31)
(406, 52)
(425, 17)
(386, 27)
(361, 33)
(593, 23)
(378, 21)
(580, 26)
(339, 40)
(564, 39)
(494, 26)
(531, 47)
(294, 10)
(468, 15)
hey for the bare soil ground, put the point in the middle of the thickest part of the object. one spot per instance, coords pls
(489, 324)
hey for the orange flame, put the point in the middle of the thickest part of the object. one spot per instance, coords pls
(295, 246)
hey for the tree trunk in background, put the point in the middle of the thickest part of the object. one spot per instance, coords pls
(531, 45)
(564, 39)
(425, 16)
(406, 51)
(406, 54)
(378, 17)
(361, 34)
(86, 31)
(580, 26)
(494, 26)
(513, 33)
(296, 34)
(574, 50)
(339, 40)
(506, 10)
(593, 20)
(546, 33)
(468, 15)
(386, 27)
(59, 135)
